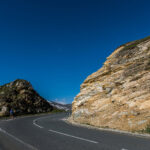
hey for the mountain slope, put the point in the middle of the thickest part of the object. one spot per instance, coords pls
(22, 98)
(65, 107)
(118, 95)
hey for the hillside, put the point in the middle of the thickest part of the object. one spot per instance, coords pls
(56, 105)
(118, 95)
(22, 98)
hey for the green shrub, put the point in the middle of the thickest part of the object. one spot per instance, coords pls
(147, 130)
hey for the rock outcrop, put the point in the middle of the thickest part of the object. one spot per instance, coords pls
(118, 95)
(22, 98)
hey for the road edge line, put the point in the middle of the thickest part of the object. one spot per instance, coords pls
(17, 139)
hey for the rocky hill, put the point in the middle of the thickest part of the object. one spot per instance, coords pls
(118, 95)
(22, 98)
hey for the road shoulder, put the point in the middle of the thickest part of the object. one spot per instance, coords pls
(69, 120)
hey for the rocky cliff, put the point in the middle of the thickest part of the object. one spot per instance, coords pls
(118, 95)
(22, 98)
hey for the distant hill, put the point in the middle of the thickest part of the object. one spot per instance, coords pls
(65, 107)
(22, 98)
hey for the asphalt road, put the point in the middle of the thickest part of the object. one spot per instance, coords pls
(50, 132)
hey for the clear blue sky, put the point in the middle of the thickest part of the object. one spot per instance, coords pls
(56, 44)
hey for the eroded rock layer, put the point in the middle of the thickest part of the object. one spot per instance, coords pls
(118, 95)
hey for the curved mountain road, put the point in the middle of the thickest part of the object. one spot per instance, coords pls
(50, 132)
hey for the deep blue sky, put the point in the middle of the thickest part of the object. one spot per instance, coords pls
(56, 44)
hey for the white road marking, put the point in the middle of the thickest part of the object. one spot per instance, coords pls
(124, 149)
(34, 122)
(73, 136)
(15, 138)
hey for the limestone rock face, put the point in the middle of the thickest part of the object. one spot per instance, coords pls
(118, 95)
(22, 98)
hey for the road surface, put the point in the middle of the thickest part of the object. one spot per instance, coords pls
(50, 132)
